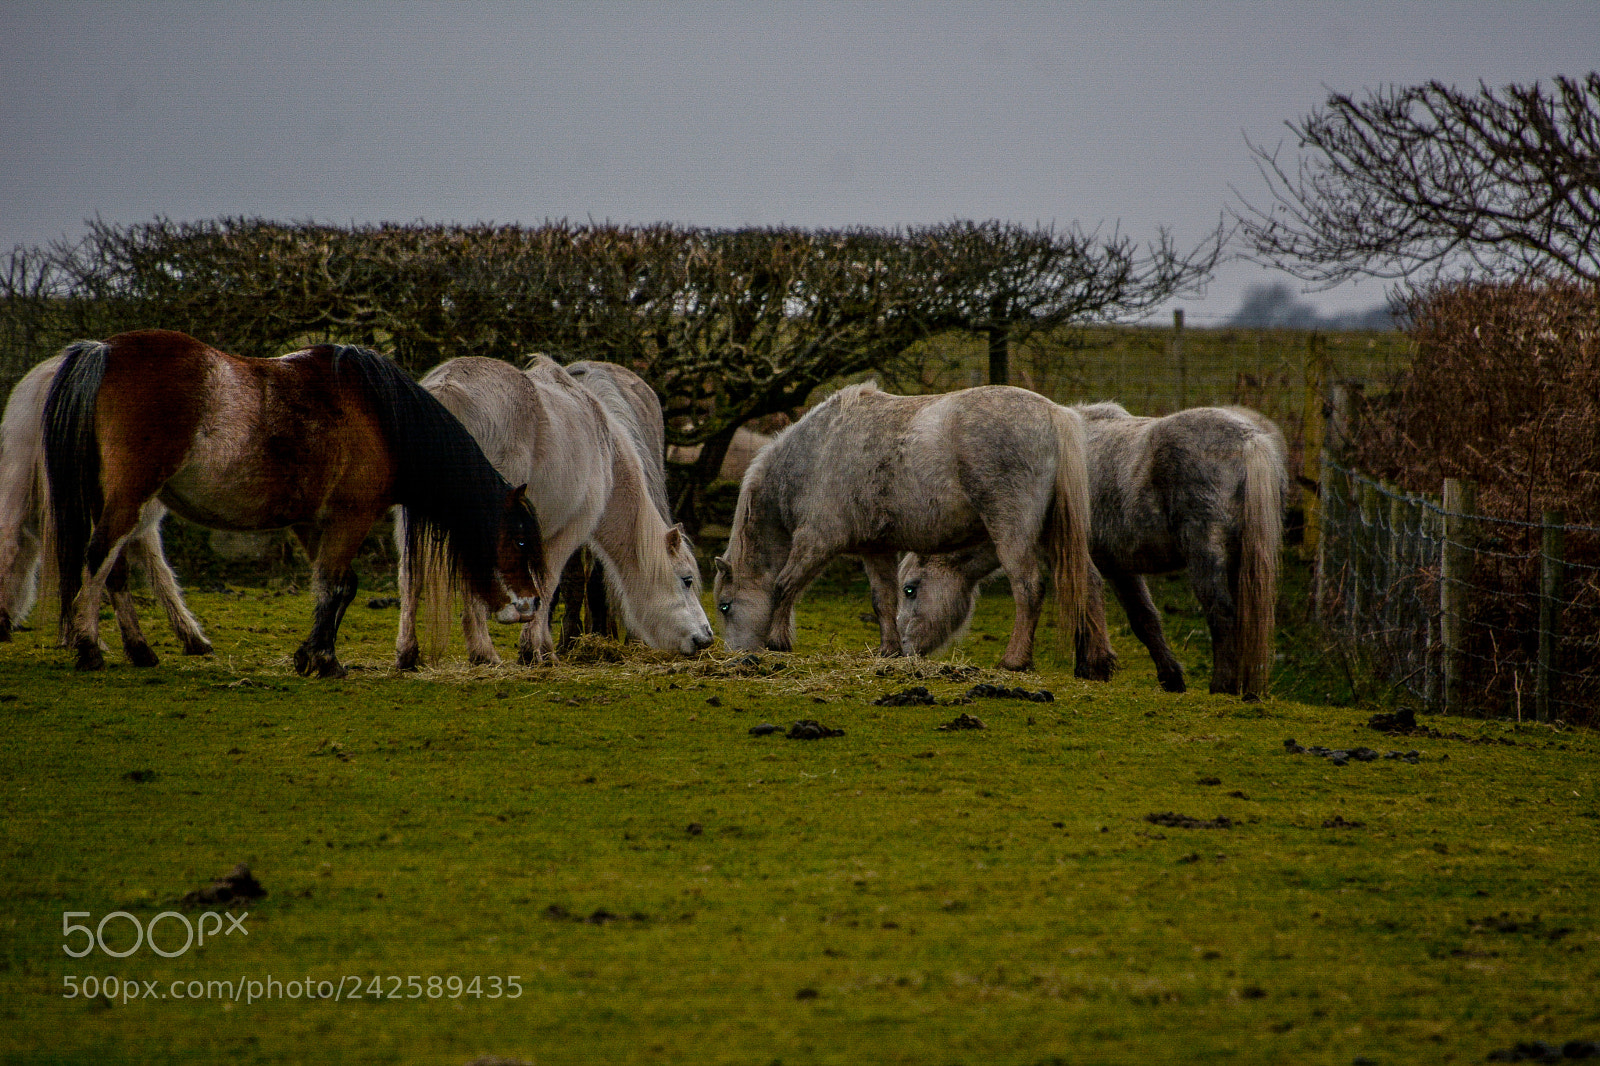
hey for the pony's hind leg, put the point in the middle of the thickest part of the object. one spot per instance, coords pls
(1211, 578)
(1094, 658)
(134, 643)
(333, 587)
(1145, 620)
(1019, 557)
(106, 565)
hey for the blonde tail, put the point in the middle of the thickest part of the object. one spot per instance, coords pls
(1069, 526)
(1260, 540)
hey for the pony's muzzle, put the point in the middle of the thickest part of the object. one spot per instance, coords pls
(519, 610)
(699, 641)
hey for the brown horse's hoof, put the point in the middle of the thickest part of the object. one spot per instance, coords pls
(1173, 684)
(1095, 671)
(141, 655)
(90, 656)
(197, 647)
(309, 663)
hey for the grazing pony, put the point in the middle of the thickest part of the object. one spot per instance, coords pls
(874, 474)
(24, 510)
(1202, 489)
(587, 481)
(636, 411)
(321, 441)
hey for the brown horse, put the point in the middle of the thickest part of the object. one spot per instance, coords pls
(321, 441)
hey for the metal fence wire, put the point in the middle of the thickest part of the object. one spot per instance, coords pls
(1467, 613)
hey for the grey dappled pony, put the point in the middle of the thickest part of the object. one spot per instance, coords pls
(1201, 490)
(873, 474)
(586, 482)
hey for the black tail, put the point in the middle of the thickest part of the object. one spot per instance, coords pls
(452, 495)
(72, 458)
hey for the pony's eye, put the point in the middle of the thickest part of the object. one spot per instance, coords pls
(723, 607)
(910, 591)
(688, 582)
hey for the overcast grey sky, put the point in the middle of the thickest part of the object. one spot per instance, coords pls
(718, 114)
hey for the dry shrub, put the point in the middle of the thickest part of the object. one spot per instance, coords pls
(1504, 390)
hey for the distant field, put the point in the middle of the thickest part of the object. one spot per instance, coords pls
(666, 887)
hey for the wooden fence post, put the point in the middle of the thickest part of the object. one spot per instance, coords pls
(1311, 427)
(1552, 567)
(1433, 536)
(1178, 358)
(1460, 500)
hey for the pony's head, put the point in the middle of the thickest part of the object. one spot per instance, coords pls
(743, 596)
(519, 555)
(665, 611)
(936, 599)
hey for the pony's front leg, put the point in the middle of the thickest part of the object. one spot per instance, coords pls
(805, 562)
(883, 577)
(1094, 658)
(1145, 620)
(316, 654)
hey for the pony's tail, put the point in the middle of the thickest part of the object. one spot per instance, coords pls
(441, 586)
(72, 460)
(1260, 540)
(1069, 526)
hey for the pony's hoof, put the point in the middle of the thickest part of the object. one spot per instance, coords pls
(1020, 667)
(406, 661)
(141, 655)
(308, 663)
(5, 627)
(1100, 671)
(198, 647)
(1173, 684)
(90, 657)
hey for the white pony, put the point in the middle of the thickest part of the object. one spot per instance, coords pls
(587, 484)
(24, 504)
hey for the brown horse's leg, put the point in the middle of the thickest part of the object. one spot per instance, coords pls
(1095, 659)
(104, 560)
(1134, 595)
(333, 586)
(144, 547)
(883, 577)
(134, 643)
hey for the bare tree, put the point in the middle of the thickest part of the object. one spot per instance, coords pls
(1430, 177)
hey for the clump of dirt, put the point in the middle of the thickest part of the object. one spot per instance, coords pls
(811, 729)
(984, 690)
(237, 884)
(1183, 821)
(1338, 822)
(765, 729)
(1539, 1051)
(1342, 756)
(914, 696)
(1504, 922)
(379, 603)
(599, 916)
(961, 721)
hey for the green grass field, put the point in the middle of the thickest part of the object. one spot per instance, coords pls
(666, 887)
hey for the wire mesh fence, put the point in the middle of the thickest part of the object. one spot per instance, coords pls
(1465, 612)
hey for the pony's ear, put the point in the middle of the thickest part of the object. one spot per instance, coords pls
(675, 537)
(723, 566)
(517, 495)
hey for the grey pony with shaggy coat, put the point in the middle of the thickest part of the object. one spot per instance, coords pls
(1202, 489)
(874, 474)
